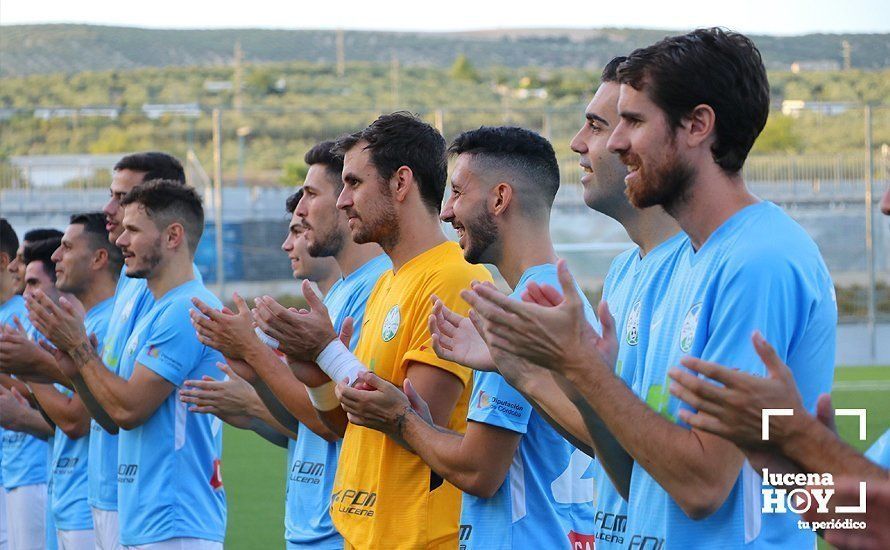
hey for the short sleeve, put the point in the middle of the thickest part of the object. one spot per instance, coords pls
(447, 286)
(497, 403)
(171, 348)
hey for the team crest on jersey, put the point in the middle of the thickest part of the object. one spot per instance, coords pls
(632, 332)
(687, 331)
(128, 309)
(391, 324)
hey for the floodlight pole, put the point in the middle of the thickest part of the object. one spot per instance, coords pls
(869, 232)
(217, 203)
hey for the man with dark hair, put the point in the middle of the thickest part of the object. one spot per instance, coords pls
(132, 299)
(16, 265)
(746, 266)
(394, 178)
(326, 235)
(24, 451)
(86, 267)
(170, 491)
(310, 442)
(502, 191)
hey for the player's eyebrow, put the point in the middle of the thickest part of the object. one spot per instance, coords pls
(593, 117)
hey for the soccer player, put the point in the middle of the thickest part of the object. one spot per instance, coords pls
(394, 180)
(87, 267)
(132, 300)
(524, 484)
(324, 235)
(691, 107)
(630, 288)
(170, 491)
(27, 449)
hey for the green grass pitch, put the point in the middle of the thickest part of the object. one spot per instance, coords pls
(253, 470)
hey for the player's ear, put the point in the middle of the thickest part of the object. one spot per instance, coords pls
(175, 235)
(501, 197)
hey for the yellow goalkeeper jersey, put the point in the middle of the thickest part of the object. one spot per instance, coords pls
(385, 496)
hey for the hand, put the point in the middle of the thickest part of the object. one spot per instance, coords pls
(242, 369)
(456, 339)
(231, 397)
(556, 337)
(302, 334)
(230, 333)
(61, 324)
(382, 406)
(825, 412)
(547, 296)
(417, 402)
(308, 372)
(735, 411)
(19, 354)
(13, 407)
(876, 534)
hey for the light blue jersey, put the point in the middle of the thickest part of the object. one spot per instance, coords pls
(758, 271)
(630, 287)
(24, 456)
(70, 457)
(546, 501)
(312, 461)
(169, 481)
(50, 523)
(131, 300)
(879, 453)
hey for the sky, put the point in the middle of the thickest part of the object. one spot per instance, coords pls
(782, 17)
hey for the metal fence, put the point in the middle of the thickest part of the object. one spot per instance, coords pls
(834, 163)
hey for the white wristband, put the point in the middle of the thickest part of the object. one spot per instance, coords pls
(339, 363)
(323, 397)
(266, 339)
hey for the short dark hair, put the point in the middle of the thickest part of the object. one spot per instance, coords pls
(167, 202)
(323, 153)
(526, 158)
(94, 229)
(402, 139)
(155, 165)
(293, 201)
(9, 241)
(714, 67)
(42, 251)
(41, 234)
(610, 71)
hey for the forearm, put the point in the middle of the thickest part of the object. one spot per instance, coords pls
(335, 420)
(66, 412)
(31, 422)
(270, 432)
(699, 480)
(94, 409)
(259, 413)
(444, 453)
(108, 390)
(283, 394)
(815, 448)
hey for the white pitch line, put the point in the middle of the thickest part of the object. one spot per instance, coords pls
(862, 385)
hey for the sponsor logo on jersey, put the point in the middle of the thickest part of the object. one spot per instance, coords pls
(154, 352)
(391, 324)
(632, 332)
(126, 473)
(307, 472)
(610, 527)
(65, 465)
(216, 479)
(464, 532)
(581, 541)
(487, 400)
(350, 501)
(687, 331)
